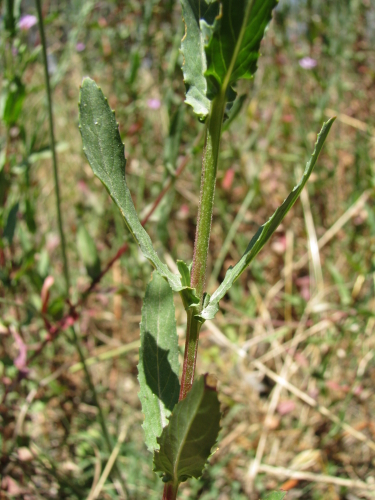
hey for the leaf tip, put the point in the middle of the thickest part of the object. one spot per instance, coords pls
(210, 382)
(87, 81)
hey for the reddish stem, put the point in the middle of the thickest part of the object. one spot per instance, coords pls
(170, 492)
(190, 356)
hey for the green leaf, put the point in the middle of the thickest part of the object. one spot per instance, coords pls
(88, 252)
(188, 296)
(233, 49)
(11, 222)
(220, 46)
(11, 101)
(30, 216)
(186, 442)
(158, 359)
(105, 152)
(184, 270)
(265, 232)
(275, 495)
(197, 14)
(173, 140)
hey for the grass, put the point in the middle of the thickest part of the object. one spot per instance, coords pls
(314, 434)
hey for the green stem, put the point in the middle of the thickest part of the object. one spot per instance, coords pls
(9, 20)
(202, 236)
(53, 148)
(207, 194)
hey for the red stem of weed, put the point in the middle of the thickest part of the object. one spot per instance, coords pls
(170, 492)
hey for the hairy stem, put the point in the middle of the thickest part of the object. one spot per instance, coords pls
(53, 148)
(207, 195)
(202, 237)
(190, 356)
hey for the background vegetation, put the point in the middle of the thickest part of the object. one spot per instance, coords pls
(294, 349)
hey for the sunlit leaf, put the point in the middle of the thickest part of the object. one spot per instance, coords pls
(186, 442)
(265, 232)
(220, 46)
(105, 152)
(233, 49)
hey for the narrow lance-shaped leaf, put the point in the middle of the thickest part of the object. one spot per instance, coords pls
(233, 49)
(265, 232)
(105, 152)
(11, 222)
(88, 252)
(158, 359)
(186, 442)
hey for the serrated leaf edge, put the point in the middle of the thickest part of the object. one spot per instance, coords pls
(155, 469)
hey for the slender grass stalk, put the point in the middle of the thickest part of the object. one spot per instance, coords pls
(202, 236)
(63, 245)
(53, 148)
(102, 420)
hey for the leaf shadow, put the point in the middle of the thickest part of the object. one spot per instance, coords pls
(160, 377)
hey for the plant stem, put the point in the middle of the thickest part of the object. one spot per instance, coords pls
(190, 356)
(202, 237)
(53, 148)
(207, 194)
(170, 492)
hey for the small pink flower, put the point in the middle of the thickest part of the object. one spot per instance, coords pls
(285, 407)
(228, 179)
(27, 22)
(153, 103)
(80, 47)
(307, 63)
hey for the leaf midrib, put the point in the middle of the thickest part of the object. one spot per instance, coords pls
(238, 45)
(183, 441)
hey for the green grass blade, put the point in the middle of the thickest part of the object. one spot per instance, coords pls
(265, 232)
(275, 495)
(158, 359)
(10, 226)
(88, 252)
(105, 152)
(186, 442)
